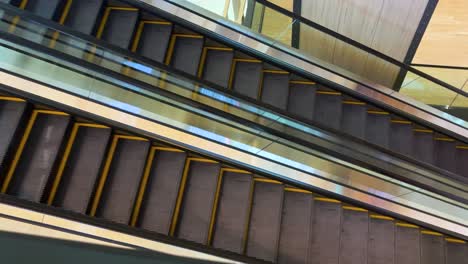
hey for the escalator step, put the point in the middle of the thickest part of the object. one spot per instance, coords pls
(117, 26)
(232, 212)
(217, 65)
(83, 15)
(381, 240)
(186, 52)
(275, 88)
(296, 227)
(195, 212)
(81, 168)
(378, 128)
(423, 146)
(407, 245)
(154, 39)
(247, 76)
(432, 248)
(326, 232)
(265, 221)
(125, 163)
(445, 154)
(328, 109)
(36, 157)
(43, 8)
(301, 99)
(457, 251)
(162, 189)
(401, 137)
(12, 111)
(354, 117)
(354, 236)
(462, 158)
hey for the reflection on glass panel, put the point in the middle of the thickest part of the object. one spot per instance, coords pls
(215, 6)
(455, 77)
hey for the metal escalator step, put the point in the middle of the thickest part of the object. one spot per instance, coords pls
(265, 221)
(445, 151)
(12, 111)
(328, 109)
(354, 236)
(432, 249)
(161, 190)
(185, 52)
(198, 197)
(423, 146)
(275, 89)
(457, 251)
(233, 209)
(246, 77)
(381, 244)
(462, 158)
(353, 121)
(152, 39)
(407, 245)
(301, 99)
(326, 233)
(83, 15)
(216, 66)
(117, 26)
(36, 155)
(121, 177)
(296, 227)
(401, 137)
(378, 128)
(43, 8)
(79, 171)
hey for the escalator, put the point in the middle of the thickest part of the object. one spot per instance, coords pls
(60, 159)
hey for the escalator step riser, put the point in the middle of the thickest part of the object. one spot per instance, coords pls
(328, 110)
(265, 221)
(381, 242)
(462, 164)
(83, 15)
(118, 29)
(301, 100)
(162, 190)
(456, 252)
(247, 78)
(407, 245)
(432, 249)
(43, 8)
(231, 218)
(445, 154)
(353, 121)
(82, 169)
(186, 54)
(378, 129)
(401, 138)
(154, 40)
(275, 90)
(423, 147)
(354, 237)
(217, 66)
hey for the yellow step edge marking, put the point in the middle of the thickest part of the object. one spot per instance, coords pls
(16, 19)
(187, 36)
(422, 130)
(267, 180)
(444, 139)
(62, 19)
(353, 102)
(175, 216)
(247, 60)
(51, 112)
(131, 137)
(353, 208)
(23, 4)
(203, 160)
(382, 217)
(275, 71)
(249, 215)
(407, 225)
(328, 92)
(92, 125)
(136, 39)
(454, 240)
(291, 189)
(328, 200)
(9, 98)
(302, 82)
(122, 8)
(214, 208)
(170, 50)
(462, 147)
(235, 170)
(168, 149)
(432, 233)
(156, 22)
(401, 122)
(218, 48)
(377, 112)
(142, 188)
(201, 65)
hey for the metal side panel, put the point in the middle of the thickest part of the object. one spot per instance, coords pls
(187, 53)
(154, 40)
(161, 191)
(301, 99)
(378, 129)
(36, 162)
(401, 138)
(432, 249)
(247, 78)
(195, 213)
(407, 245)
(353, 119)
(381, 244)
(326, 233)
(354, 236)
(445, 152)
(83, 15)
(232, 212)
(265, 221)
(43, 8)
(119, 26)
(11, 114)
(275, 89)
(217, 66)
(462, 158)
(328, 109)
(122, 181)
(296, 227)
(81, 168)
(457, 252)
(423, 147)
